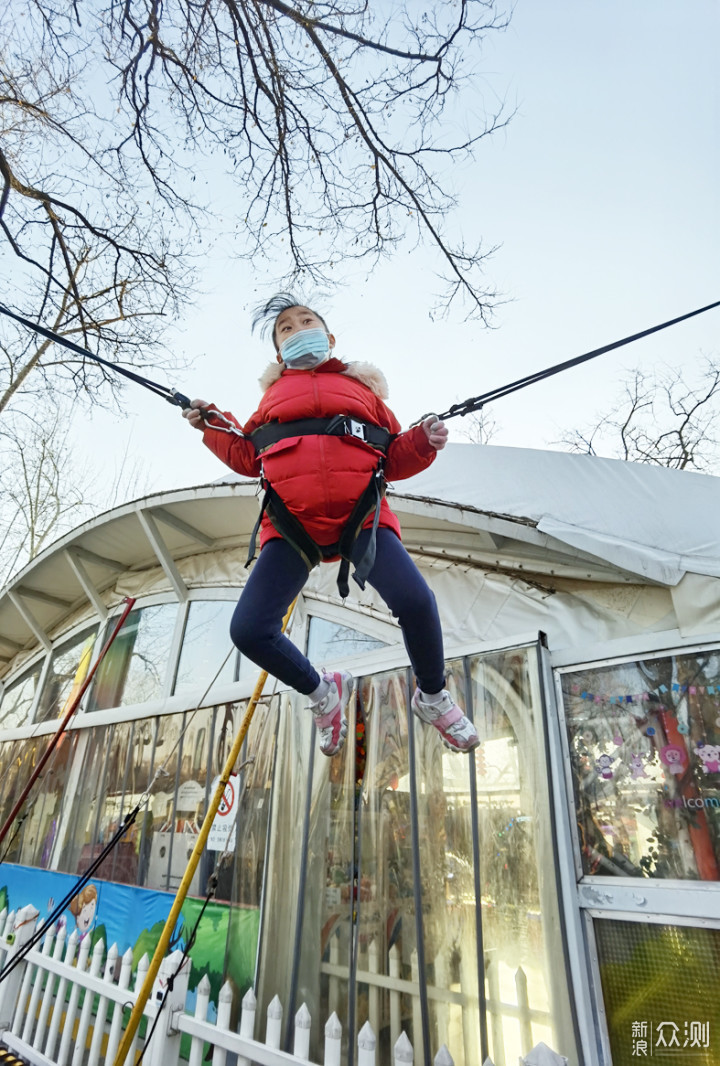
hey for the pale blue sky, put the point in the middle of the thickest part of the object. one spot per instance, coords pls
(603, 194)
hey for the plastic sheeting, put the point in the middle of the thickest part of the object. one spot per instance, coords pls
(654, 522)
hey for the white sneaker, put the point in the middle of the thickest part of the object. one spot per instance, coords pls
(457, 732)
(329, 713)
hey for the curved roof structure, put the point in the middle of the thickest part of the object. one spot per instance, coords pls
(507, 510)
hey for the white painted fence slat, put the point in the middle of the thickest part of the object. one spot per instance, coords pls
(223, 1021)
(274, 1023)
(84, 1023)
(101, 1010)
(416, 1009)
(301, 1044)
(333, 1040)
(31, 1014)
(60, 993)
(117, 1015)
(48, 995)
(142, 972)
(402, 1050)
(247, 1022)
(443, 1058)
(526, 1041)
(202, 1002)
(394, 972)
(366, 1046)
(496, 1025)
(71, 1013)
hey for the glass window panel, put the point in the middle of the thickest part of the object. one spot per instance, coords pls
(135, 668)
(328, 640)
(46, 803)
(521, 925)
(386, 908)
(282, 879)
(77, 849)
(121, 863)
(18, 699)
(254, 806)
(68, 668)
(206, 642)
(190, 802)
(645, 753)
(658, 986)
(162, 803)
(25, 754)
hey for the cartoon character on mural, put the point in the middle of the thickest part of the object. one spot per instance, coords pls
(83, 908)
(709, 755)
(674, 758)
(636, 766)
(604, 766)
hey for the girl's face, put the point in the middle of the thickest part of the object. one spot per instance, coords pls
(292, 320)
(85, 917)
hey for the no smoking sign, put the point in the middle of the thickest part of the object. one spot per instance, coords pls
(222, 832)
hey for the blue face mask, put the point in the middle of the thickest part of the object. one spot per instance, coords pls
(306, 349)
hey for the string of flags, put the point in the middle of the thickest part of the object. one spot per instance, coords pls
(674, 756)
(649, 696)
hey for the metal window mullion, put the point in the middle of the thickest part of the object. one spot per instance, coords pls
(562, 818)
(66, 822)
(101, 787)
(417, 885)
(175, 799)
(176, 646)
(266, 862)
(300, 911)
(42, 678)
(477, 880)
(143, 826)
(355, 901)
(128, 757)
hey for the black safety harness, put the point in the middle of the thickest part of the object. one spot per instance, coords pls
(291, 528)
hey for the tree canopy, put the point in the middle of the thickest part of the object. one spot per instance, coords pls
(334, 121)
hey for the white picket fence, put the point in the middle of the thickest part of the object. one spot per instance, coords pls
(370, 975)
(61, 1006)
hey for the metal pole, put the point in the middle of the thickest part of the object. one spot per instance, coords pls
(55, 739)
(164, 941)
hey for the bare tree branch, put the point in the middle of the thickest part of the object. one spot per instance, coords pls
(661, 419)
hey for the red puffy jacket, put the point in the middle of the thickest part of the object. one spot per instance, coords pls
(320, 478)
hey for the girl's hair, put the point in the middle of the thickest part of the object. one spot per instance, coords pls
(267, 313)
(77, 903)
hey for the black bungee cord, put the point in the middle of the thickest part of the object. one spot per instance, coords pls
(476, 403)
(466, 407)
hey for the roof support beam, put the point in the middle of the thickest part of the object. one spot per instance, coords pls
(182, 527)
(98, 560)
(10, 643)
(29, 620)
(43, 597)
(164, 557)
(75, 564)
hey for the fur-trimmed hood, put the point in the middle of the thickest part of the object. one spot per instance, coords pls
(366, 373)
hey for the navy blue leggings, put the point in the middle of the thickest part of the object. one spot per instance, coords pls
(279, 574)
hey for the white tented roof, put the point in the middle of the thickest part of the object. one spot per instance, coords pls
(500, 510)
(654, 522)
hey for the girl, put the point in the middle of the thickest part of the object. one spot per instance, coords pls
(323, 441)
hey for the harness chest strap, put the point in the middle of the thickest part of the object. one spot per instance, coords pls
(338, 426)
(292, 530)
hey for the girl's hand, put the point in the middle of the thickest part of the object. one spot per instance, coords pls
(194, 416)
(436, 432)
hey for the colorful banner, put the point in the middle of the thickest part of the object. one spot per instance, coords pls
(134, 918)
